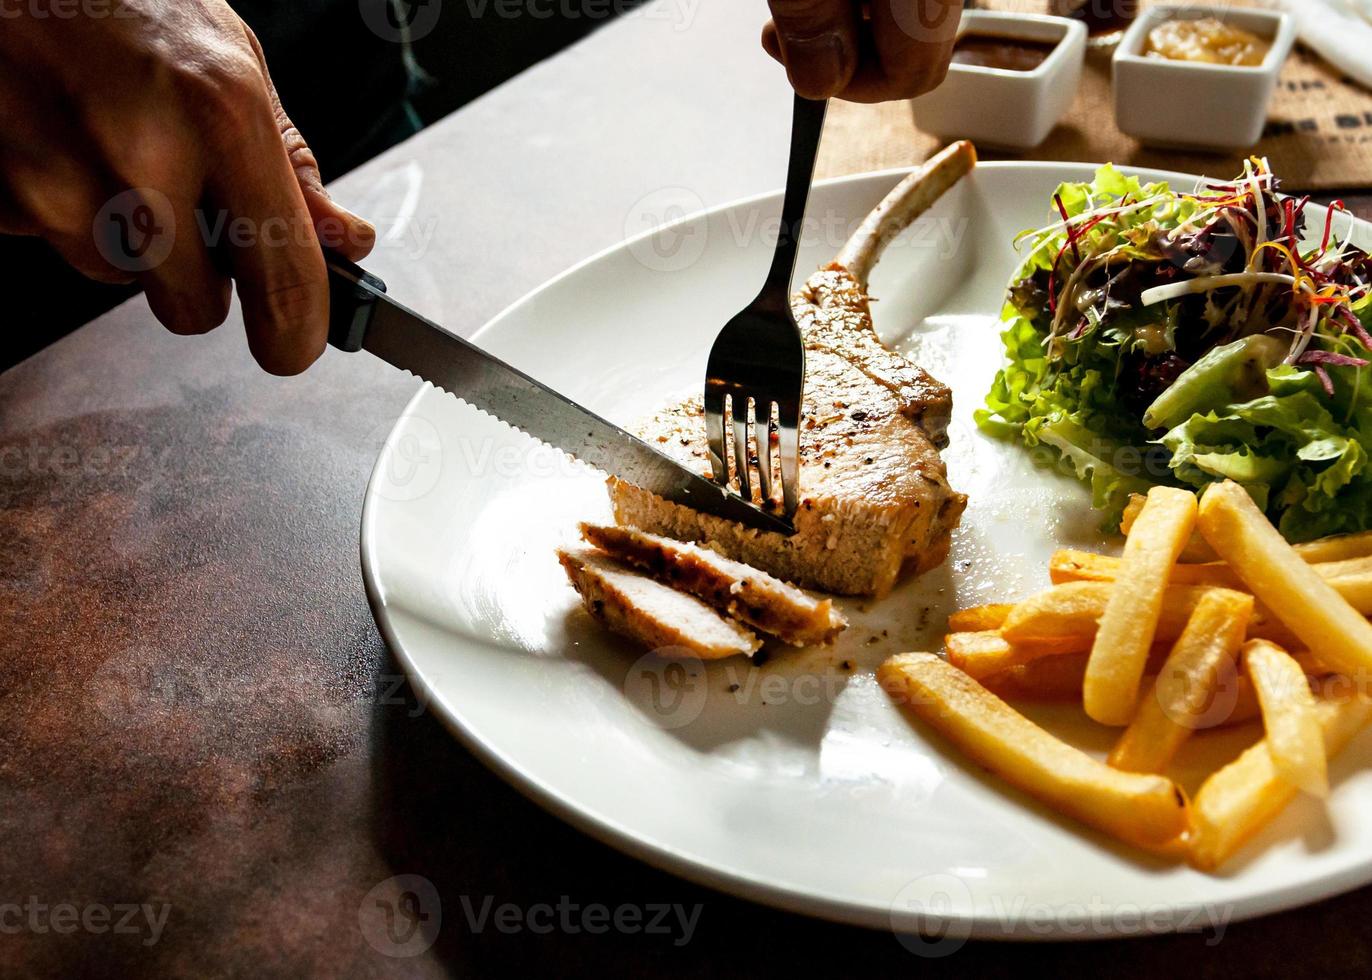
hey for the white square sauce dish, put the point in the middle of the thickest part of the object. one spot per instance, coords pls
(1169, 101)
(1012, 79)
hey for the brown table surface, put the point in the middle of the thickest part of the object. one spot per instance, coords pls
(196, 709)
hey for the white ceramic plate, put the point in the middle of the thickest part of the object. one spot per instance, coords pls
(795, 783)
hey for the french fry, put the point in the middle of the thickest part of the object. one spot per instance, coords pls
(1058, 678)
(1050, 679)
(1243, 709)
(1294, 738)
(1312, 665)
(1332, 629)
(1349, 581)
(1131, 512)
(1203, 655)
(1068, 565)
(1339, 547)
(986, 652)
(1234, 803)
(1073, 609)
(1146, 810)
(1351, 578)
(976, 619)
(1205, 576)
(1196, 550)
(1120, 649)
(1340, 568)
(1234, 702)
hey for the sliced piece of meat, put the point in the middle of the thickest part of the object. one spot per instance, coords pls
(874, 490)
(748, 594)
(648, 612)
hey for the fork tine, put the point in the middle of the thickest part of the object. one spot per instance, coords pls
(714, 434)
(763, 437)
(788, 445)
(742, 424)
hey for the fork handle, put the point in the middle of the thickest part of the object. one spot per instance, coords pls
(807, 123)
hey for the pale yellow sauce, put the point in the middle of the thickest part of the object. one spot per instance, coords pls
(1206, 40)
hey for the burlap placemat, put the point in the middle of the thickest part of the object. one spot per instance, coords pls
(1318, 135)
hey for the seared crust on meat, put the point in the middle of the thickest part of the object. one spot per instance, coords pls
(655, 615)
(746, 593)
(834, 315)
(874, 490)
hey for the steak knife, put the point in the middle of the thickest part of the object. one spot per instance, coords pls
(363, 317)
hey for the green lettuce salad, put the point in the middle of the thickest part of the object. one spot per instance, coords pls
(1155, 336)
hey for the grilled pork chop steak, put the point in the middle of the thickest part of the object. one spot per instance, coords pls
(650, 613)
(747, 594)
(874, 490)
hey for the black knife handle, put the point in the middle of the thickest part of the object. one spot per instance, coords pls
(352, 301)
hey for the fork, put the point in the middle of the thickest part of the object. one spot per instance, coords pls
(758, 360)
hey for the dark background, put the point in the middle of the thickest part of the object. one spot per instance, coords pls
(347, 90)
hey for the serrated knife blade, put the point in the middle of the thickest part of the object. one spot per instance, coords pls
(363, 317)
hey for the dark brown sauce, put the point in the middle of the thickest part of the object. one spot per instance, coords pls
(1008, 53)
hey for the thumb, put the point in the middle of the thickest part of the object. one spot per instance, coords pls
(817, 41)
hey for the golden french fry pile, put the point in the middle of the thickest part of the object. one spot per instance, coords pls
(1208, 619)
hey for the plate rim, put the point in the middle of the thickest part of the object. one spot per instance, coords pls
(771, 892)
